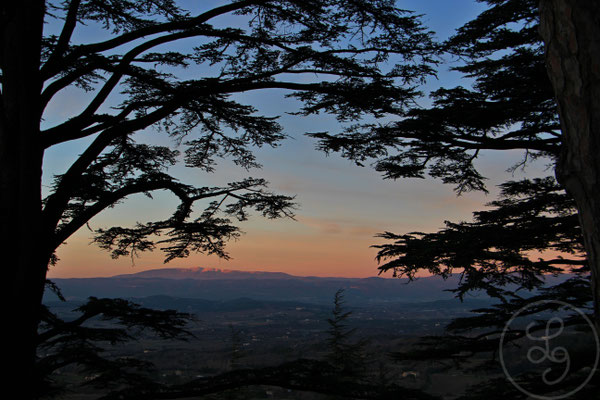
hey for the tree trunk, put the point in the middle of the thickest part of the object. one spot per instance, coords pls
(571, 31)
(21, 239)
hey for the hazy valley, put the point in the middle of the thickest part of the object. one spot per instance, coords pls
(273, 318)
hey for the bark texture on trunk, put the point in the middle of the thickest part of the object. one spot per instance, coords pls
(22, 242)
(571, 32)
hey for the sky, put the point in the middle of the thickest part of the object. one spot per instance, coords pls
(341, 207)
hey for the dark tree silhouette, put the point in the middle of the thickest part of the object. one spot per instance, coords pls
(345, 353)
(530, 231)
(237, 351)
(329, 55)
(512, 105)
(78, 343)
(506, 252)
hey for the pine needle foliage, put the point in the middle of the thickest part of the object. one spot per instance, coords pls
(156, 65)
(345, 353)
(509, 106)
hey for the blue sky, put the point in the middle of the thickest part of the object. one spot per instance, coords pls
(341, 206)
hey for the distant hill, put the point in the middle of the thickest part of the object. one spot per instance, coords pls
(224, 285)
(205, 273)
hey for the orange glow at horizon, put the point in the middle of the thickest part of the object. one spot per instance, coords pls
(295, 254)
(306, 247)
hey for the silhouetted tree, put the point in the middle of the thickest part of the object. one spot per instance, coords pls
(81, 343)
(328, 55)
(236, 354)
(346, 354)
(507, 252)
(237, 350)
(511, 106)
(507, 248)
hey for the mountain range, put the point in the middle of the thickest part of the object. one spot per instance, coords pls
(224, 285)
(205, 273)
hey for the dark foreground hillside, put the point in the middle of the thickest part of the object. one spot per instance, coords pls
(266, 333)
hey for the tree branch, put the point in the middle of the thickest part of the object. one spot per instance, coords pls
(113, 197)
(65, 35)
(83, 50)
(57, 202)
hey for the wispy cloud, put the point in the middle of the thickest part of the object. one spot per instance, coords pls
(332, 226)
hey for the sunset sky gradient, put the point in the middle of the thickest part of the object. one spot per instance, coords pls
(341, 206)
